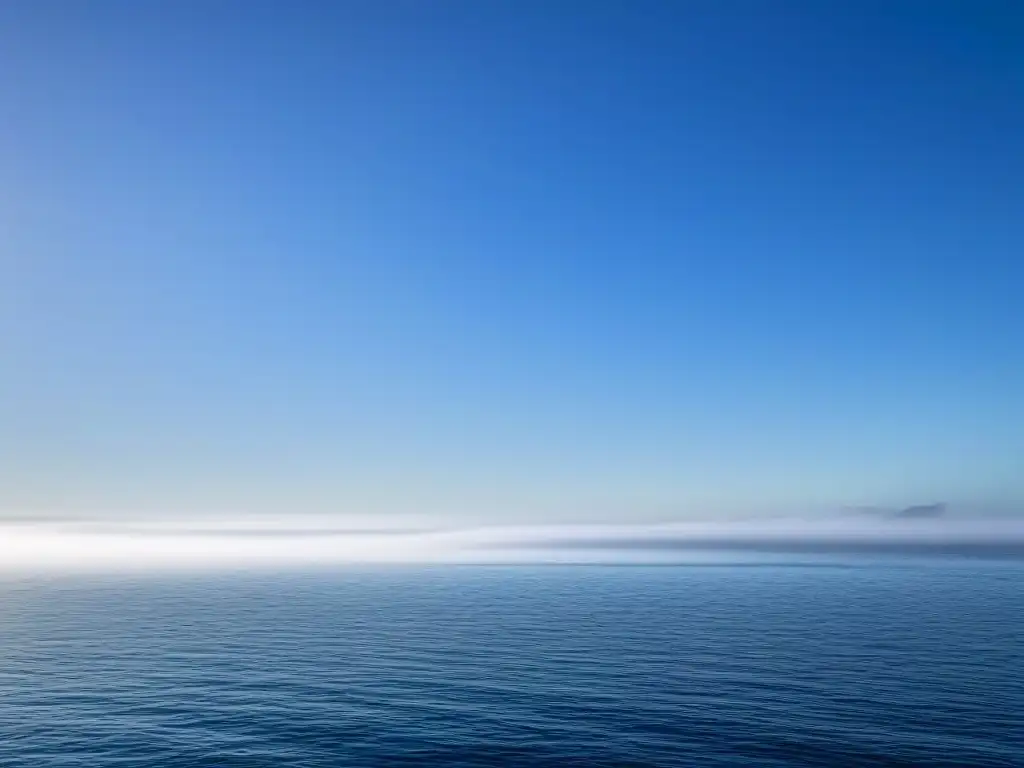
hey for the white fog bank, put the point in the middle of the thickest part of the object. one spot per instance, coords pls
(317, 541)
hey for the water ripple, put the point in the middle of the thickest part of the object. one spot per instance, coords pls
(615, 667)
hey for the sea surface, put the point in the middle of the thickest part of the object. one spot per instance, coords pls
(902, 663)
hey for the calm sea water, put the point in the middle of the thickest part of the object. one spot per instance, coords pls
(910, 664)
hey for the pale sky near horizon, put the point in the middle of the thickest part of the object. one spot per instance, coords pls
(510, 260)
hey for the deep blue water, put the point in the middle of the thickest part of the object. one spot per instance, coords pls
(909, 664)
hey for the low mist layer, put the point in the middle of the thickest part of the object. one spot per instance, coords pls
(288, 542)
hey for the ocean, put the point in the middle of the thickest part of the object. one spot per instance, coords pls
(901, 662)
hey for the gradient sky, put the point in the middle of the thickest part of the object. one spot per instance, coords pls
(510, 260)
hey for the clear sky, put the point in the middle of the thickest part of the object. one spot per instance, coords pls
(510, 260)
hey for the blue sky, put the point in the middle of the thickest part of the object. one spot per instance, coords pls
(510, 260)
